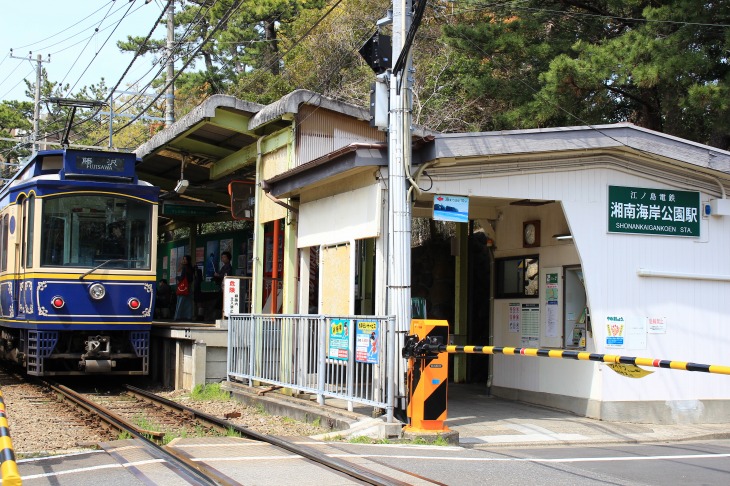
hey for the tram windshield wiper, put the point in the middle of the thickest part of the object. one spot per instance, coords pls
(111, 260)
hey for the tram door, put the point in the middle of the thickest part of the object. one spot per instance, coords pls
(23, 291)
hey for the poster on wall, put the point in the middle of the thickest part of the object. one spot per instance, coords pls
(656, 325)
(514, 318)
(199, 256)
(173, 265)
(636, 334)
(615, 332)
(367, 339)
(530, 325)
(339, 339)
(212, 257)
(551, 305)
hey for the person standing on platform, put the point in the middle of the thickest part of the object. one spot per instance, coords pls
(184, 308)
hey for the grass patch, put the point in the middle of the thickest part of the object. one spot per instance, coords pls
(441, 441)
(123, 435)
(361, 439)
(210, 391)
(143, 423)
(317, 422)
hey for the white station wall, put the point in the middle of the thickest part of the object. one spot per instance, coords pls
(695, 310)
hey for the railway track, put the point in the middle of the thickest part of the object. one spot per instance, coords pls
(124, 418)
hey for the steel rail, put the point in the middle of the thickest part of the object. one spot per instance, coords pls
(197, 471)
(307, 452)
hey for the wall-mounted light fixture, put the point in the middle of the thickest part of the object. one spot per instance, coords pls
(563, 236)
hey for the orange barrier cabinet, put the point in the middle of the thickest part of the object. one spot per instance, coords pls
(428, 379)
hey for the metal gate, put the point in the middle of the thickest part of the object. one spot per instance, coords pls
(346, 357)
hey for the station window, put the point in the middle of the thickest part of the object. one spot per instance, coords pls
(517, 277)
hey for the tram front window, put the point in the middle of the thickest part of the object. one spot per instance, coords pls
(88, 230)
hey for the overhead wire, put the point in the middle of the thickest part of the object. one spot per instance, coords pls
(62, 31)
(111, 92)
(175, 48)
(141, 92)
(235, 6)
(96, 54)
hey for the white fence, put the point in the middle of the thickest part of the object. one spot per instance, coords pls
(346, 357)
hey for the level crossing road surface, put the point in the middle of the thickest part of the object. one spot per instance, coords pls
(247, 462)
(500, 441)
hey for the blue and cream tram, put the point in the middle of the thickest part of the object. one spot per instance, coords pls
(77, 264)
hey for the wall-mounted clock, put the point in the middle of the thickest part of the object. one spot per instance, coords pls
(530, 234)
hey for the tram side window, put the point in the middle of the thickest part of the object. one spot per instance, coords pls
(29, 230)
(4, 244)
(517, 277)
(54, 233)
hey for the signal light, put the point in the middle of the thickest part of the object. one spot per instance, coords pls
(57, 302)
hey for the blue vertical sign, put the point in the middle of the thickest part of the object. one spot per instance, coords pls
(367, 342)
(339, 339)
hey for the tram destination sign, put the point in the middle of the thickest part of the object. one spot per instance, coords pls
(100, 163)
(641, 210)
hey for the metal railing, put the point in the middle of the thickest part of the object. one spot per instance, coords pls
(347, 357)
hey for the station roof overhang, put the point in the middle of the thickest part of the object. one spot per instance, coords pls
(207, 148)
(625, 145)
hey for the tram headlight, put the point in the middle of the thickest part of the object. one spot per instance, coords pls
(97, 291)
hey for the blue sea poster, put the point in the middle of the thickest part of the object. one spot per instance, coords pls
(451, 208)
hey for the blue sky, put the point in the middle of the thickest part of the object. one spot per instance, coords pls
(66, 30)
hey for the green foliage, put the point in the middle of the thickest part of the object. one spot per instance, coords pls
(360, 439)
(124, 435)
(210, 391)
(661, 65)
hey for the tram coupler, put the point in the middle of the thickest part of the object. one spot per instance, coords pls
(426, 348)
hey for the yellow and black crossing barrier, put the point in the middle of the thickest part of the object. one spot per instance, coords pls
(425, 347)
(8, 466)
(428, 369)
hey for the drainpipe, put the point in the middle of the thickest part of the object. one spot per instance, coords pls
(275, 268)
(258, 276)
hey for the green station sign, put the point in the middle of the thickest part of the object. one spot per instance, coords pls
(182, 209)
(642, 210)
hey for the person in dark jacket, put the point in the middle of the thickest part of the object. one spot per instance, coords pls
(184, 308)
(162, 303)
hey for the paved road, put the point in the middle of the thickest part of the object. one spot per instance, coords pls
(689, 463)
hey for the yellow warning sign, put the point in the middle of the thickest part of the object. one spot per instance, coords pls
(629, 370)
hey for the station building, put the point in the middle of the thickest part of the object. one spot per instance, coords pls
(608, 239)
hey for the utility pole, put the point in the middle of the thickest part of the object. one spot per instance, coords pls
(170, 95)
(399, 208)
(37, 109)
